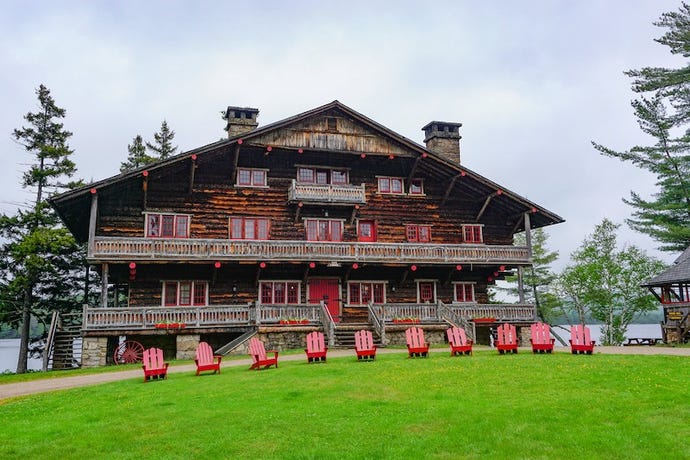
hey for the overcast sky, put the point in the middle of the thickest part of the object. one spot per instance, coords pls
(533, 82)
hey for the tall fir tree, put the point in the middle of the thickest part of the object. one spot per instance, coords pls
(162, 146)
(40, 262)
(664, 114)
(137, 155)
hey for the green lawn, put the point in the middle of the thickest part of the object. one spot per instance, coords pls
(487, 406)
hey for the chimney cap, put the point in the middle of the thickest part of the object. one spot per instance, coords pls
(236, 112)
(442, 129)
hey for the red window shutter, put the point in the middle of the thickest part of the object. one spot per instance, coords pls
(267, 293)
(199, 294)
(354, 293)
(170, 294)
(412, 233)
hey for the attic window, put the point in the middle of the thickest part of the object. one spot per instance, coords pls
(332, 124)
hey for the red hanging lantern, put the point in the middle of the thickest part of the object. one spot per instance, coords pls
(458, 267)
(413, 268)
(355, 266)
(312, 265)
(217, 264)
(132, 270)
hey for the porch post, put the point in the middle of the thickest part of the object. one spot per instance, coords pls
(92, 224)
(104, 286)
(521, 285)
(528, 233)
(257, 312)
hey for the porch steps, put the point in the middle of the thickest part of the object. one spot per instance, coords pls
(345, 334)
(228, 347)
(63, 348)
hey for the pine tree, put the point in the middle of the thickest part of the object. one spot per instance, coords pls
(162, 146)
(661, 115)
(137, 155)
(40, 262)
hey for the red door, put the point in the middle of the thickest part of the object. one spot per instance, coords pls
(366, 231)
(327, 290)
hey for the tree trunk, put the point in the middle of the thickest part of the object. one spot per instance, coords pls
(22, 360)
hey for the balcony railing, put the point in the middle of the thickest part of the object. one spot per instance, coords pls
(107, 248)
(336, 194)
(145, 318)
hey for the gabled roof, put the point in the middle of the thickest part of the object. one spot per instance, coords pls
(78, 197)
(676, 273)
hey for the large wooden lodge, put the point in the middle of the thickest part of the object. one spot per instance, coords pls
(326, 218)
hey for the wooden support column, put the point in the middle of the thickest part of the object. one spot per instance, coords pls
(521, 285)
(235, 160)
(145, 187)
(92, 222)
(192, 170)
(486, 204)
(104, 285)
(412, 171)
(449, 189)
(528, 233)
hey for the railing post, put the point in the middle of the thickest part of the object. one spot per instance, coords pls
(257, 312)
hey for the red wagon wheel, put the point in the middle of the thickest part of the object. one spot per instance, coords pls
(128, 352)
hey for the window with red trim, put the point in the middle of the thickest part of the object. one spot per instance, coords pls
(279, 292)
(426, 291)
(324, 229)
(167, 226)
(464, 292)
(249, 228)
(392, 185)
(249, 177)
(472, 233)
(185, 293)
(416, 187)
(361, 293)
(418, 233)
(322, 176)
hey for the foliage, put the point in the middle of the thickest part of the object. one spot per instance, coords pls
(666, 216)
(539, 279)
(440, 407)
(604, 282)
(162, 146)
(40, 262)
(137, 155)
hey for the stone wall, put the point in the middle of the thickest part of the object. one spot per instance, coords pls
(186, 346)
(432, 334)
(94, 351)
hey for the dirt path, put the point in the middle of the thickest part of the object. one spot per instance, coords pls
(12, 390)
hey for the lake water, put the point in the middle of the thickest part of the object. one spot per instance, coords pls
(9, 353)
(653, 331)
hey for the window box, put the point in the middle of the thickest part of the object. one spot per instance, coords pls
(169, 325)
(487, 319)
(294, 321)
(406, 320)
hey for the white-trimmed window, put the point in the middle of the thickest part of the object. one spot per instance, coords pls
(322, 176)
(472, 234)
(324, 229)
(252, 177)
(464, 292)
(363, 292)
(426, 291)
(185, 293)
(159, 225)
(416, 187)
(418, 233)
(249, 228)
(391, 185)
(279, 292)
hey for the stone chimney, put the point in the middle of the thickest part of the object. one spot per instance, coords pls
(241, 120)
(443, 138)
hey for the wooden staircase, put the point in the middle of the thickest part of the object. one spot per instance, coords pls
(63, 345)
(344, 334)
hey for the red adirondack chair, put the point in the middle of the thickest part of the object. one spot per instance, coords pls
(541, 338)
(458, 341)
(416, 346)
(364, 345)
(580, 340)
(506, 339)
(259, 358)
(205, 359)
(316, 348)
(153, 364)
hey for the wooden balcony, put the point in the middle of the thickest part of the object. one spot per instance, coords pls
(246, 315)
(326, 194)
(159, 249)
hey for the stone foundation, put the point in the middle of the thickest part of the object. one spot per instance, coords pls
(94, 351)
(186, 346)
(432, 334)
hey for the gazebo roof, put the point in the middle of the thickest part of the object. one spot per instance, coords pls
(676, 273)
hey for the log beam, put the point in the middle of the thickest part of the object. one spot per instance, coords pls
(486, 205)
(449, 189)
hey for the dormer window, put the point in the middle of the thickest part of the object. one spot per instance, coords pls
(416, 187)
(472, 234)
(251, 177)
(392, 185)
(322, 176)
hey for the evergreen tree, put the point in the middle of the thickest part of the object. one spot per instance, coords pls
(40, 262)
(539, 278)
(162, 145)
(604, 282)
(137, 155)
(664, 115)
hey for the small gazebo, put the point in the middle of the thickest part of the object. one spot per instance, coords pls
(672, 288)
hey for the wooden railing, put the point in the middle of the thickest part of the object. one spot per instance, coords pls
(328, 324)
(112, 248)
(276, 313)
(453, 317)
(315, 193)
(423, 312)
(376, 322)
(501, 312)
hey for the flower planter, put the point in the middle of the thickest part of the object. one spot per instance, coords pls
(170, 325)
(294, 321)
(406, 321)
(484, 320)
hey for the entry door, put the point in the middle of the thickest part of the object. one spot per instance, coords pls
(327, 290)
(366, 231)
